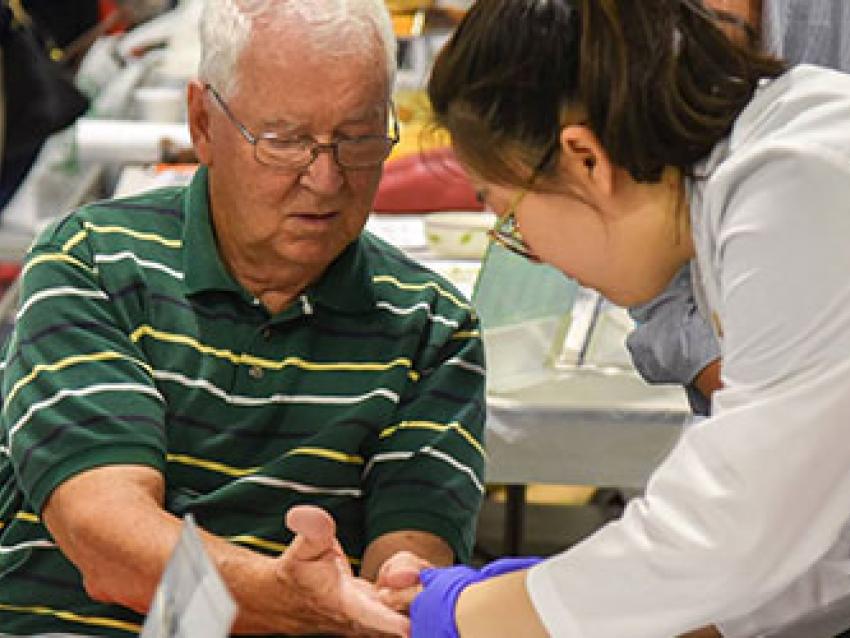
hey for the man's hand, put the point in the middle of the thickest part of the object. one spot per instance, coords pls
(316, 567)
(308, 590)
(398, 580)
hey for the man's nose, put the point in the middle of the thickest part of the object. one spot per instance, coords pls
(324, 174)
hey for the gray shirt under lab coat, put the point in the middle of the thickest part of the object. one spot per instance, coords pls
(810, 31)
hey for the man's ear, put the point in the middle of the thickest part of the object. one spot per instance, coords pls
(199, 122)
(586, 161)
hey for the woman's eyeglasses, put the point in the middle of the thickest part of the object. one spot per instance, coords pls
(506, 231)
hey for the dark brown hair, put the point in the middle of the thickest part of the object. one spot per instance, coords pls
(660, 82)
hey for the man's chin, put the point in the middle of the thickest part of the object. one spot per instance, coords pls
(317, 255)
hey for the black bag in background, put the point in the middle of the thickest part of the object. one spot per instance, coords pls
(63, 20)
(41, 98)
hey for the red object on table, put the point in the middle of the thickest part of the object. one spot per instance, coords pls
(9, 271)
(432, 180)
(107, 8)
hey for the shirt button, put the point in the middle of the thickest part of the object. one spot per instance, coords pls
(267, 333)
(255, 372)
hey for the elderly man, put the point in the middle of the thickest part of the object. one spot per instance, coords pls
(237, 348)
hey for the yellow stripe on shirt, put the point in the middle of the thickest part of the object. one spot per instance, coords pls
(247, 359)
(438, 427)
(262, 543)
(70, 616)
(76, 239)
(48, 257)
(213, 466)
(332, 455)
(135, 234)
(238, 472)
(108, 355)
(467, 334)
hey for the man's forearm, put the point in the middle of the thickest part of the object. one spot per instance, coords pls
(425, 546)
(122, 561)
(250, 577)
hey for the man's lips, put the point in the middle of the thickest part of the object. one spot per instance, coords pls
(315, 216)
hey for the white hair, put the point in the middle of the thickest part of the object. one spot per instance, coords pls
(350, 26)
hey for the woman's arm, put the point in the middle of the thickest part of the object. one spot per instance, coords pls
(516, 615)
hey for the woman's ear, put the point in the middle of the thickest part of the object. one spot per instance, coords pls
(583, 156)
(199, 121)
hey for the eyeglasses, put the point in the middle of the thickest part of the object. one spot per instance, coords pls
(506, 231)
(365, 151)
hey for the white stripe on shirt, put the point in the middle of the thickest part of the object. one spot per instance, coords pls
(233, 399)
(144, 263)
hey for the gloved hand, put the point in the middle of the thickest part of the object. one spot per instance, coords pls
(432, 614)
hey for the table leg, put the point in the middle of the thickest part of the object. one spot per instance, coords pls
(514, 519)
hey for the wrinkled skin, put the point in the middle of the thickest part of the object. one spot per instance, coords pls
(398, 580)
(315, 563)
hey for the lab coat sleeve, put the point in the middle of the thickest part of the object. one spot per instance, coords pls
(816, 604)
(750, 499)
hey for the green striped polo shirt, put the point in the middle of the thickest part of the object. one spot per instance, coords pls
(134, 345)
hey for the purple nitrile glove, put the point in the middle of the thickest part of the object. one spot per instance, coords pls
(432, 613)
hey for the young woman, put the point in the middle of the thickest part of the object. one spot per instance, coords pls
(620, 140)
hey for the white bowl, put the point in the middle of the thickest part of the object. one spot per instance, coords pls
(459, 235)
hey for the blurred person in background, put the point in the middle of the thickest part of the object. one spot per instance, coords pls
(47, 39)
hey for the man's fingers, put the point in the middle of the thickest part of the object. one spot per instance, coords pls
(361, 604)
(400, 579)
(315, 540)
(313, 522)
(401, 571)
(399, 599)
(315, 532)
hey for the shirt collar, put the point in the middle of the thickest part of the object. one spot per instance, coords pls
(346, 285)
(203, 269)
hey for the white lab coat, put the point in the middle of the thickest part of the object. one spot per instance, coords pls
(749, 510)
